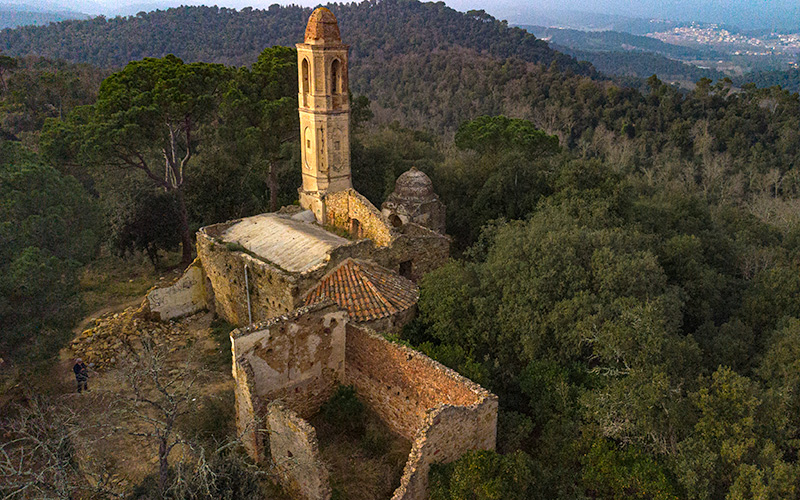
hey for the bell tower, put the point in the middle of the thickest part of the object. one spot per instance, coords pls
(324, 111)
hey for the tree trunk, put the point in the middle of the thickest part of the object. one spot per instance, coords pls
(273, 187)
(163, 467)
(186, 236)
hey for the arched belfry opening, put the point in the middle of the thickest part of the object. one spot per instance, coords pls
(306, 82)
(336, 75)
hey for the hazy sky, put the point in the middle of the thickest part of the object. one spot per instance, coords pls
(721, 11)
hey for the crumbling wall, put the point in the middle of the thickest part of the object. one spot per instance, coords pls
(446, 434)
(297, 358)
(424, 249)
(272, 291)
(247, 410)
(184, 297)
(342, 207)
(300, 358)
(294, 450)
(401, 384)
(442, 413)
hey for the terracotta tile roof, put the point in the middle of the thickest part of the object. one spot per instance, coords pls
(365, 290)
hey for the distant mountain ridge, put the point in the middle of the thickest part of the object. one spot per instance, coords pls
(614, 41)
(213, 34)
(14, 15)
(626, 55)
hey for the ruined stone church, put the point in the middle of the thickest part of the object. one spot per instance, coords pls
(314, 287)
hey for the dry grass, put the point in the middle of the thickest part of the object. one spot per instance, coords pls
(366, 466)
(111, 281)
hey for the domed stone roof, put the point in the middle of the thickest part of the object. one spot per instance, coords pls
(322, 27)
(414, 185)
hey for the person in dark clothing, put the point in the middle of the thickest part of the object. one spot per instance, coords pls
(81, 374)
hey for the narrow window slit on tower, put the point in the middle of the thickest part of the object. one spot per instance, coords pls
(306, 82)
(335, 76)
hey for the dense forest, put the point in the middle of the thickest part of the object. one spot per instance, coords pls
(642, 64)
(625, 272)
(228, 36)
(788, 80)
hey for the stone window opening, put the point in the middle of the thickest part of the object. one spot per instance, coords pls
(306, 82)
(395, 220)
(355, 228)
(336, 75)
(406, 269)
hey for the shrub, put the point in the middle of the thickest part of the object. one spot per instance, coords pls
(483, 475)
(345, 410)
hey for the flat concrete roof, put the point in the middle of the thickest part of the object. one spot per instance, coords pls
(294, 245)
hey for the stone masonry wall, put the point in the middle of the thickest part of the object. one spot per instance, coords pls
(298, 358)
(272, 291)
(401, 384)
(246, 410)
(425, 249)
(294, 450)
(343, 206)
(447, 433)
(184, 297)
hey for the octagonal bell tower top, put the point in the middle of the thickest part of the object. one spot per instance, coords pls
(322, 28)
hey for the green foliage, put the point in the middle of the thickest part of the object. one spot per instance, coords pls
(612, 473)
(345, 411)
(380, 157)
(220, 357)
(143, 219)
(493, 134)
(455, 357)
(235, 37)
(145, 120)
(483, 475)
(49, 227)
(253, 143)
(513, 431)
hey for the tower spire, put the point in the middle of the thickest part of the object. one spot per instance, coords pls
(324, 111)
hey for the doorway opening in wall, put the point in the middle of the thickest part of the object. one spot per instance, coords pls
(355, 228)
(406, 269)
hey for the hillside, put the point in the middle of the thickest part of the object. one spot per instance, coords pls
(627, 55)
(788, 80)
(11, 17)
(613, 41)
(228, 36)
(638, 64)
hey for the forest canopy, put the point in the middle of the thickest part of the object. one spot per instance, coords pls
(625, 272)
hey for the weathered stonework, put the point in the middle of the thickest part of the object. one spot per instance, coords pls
(299, 359)
(186, 296)
(324, 111)
(272, 292)
(413, 200)
(259, 270)
(401, 384)
(247, 414)
(447, 433)
(351, 212)
(294, 451)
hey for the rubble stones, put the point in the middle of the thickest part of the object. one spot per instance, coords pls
(105, 340)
